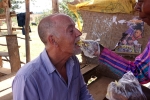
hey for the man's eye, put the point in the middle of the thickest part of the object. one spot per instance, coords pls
(71, 31)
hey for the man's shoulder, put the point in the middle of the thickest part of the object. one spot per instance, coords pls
(31, 67)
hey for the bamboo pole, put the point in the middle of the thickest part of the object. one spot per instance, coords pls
(27, 20)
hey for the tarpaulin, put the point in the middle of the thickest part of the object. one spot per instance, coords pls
(105, 6)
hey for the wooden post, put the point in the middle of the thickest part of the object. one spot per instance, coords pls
(79, 0)
(27, 21)
(55, 6)
(13, 52)
(8, 21)
(1, 62)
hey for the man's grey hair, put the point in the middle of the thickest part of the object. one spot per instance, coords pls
(45, 28)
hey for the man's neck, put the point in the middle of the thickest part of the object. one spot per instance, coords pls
(59, 61)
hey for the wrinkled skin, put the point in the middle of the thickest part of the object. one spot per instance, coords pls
(68, 35)
(143, 7)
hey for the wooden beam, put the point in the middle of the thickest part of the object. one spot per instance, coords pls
(12, 14)
(27, 21)
(13, 52)
(1, 62)
(6, 82)
(5, 71)
(98, 88)
(55, 6)
(88, 71)
(8, 21)
(3, 53)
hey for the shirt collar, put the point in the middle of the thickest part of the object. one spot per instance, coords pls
(48, 64)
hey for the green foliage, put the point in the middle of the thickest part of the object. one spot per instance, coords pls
(15, 4)
(64, 9)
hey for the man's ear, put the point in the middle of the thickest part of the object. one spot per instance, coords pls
(51, 40)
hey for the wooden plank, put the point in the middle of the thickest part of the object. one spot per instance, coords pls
(55, 6)
(88, 68)
(2, 16)
(82, 65)
(13, 52)
(88, 71)
(27, 31)
(2, 53)
(17, 28)
(8, 21)
(1, 62)
(7, 76)
(12, 14)
(3, 29)
(5, 54)
(6, 81)
(98, 88)
(5, 71)
(9, 60)
(3, 44)
(8, 94)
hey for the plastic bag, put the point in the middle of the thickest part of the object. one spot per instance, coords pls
(90, 48)
(127, 88)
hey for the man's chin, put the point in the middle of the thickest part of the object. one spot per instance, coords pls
(77, 52)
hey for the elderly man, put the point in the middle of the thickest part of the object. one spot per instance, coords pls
(55, 74)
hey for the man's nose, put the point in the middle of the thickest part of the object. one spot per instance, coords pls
(78, 33)
(138, 7)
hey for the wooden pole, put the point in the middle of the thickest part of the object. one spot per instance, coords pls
(81, 0)
(55, 6)
(13, 51)
(27, 21)
(8, 21)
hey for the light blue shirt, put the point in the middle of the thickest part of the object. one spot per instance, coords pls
(39, 80)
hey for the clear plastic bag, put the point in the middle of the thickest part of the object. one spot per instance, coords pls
(127, 88)
(90, 48)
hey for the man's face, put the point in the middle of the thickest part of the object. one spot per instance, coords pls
(68, 36)
(143, 6)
